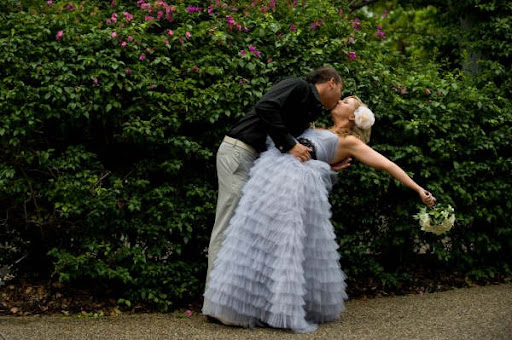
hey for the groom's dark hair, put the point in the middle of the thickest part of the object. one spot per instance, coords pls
(322, 75)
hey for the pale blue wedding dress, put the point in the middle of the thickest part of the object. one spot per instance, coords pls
(279, 264)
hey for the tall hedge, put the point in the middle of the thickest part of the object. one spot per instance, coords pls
(112, 114)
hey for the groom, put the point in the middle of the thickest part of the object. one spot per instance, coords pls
(283, 113)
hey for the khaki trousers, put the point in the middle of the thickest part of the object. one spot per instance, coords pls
(233, 165)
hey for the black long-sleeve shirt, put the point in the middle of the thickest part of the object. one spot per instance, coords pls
(284, 112)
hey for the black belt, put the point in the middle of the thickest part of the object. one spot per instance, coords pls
(309, 144)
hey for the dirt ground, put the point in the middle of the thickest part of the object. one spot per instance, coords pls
(482, 313)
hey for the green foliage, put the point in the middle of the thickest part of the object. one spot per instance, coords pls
(109, 132)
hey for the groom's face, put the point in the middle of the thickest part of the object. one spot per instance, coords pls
(333, 94)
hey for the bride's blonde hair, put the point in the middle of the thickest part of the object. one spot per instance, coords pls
(362, 134)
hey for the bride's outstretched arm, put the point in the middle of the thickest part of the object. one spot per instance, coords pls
(374, 159)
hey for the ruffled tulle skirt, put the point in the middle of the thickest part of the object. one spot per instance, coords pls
(279, 264)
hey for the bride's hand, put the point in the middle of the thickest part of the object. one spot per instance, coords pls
(343, 164)
(427, 198)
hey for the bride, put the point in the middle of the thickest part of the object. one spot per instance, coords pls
(279, 265)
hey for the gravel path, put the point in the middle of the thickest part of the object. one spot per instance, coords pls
(482, 313)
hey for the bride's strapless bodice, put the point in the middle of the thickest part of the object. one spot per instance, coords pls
(325, 143)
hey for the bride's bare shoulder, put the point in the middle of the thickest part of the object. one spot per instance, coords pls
(349, 140)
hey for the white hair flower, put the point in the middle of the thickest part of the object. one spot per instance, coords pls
(364, 117)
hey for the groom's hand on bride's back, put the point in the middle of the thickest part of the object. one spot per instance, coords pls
(343, 164)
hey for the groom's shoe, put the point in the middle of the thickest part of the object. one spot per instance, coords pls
(222, 321)
(211, 319)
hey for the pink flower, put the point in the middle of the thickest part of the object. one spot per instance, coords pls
(130, 38)
(159, 15)
(113, 3)
(109, 21)
(128, 71)
(166, 41)
(427, 92)
(95, 80)
(142, 57)
(49, 2)
(257, 53)
(293, 28)
(129, 17)
(269, 60)
(316, 24)
(356, 24)
(438, 94)
(188, 313)
(210, 9)
(243, 52)
(230, 20)
(195, 69)
(352, 55)
(114, 35)
(191, 9)
(403, 91)
(351, 40)
(59, 35)
(252, 48)
(187, 35)
(379, 33)
(123, 43)
(340, 11)
(149, 18)
(170, 33)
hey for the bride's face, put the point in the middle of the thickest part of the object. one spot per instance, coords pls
(344, 110)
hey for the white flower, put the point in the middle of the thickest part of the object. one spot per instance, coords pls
(438, 220)
(364, 117)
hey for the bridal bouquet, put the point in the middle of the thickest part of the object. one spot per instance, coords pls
(437, 220)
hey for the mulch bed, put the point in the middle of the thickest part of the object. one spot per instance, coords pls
(22, 297)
